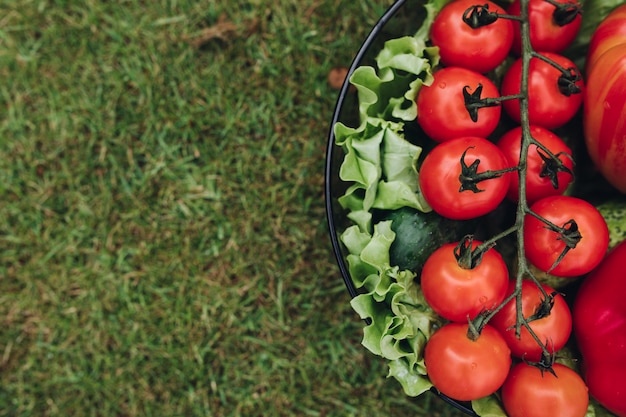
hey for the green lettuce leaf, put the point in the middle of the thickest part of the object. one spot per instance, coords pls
(380, 165)
(488, 407)
(400, 319)
(413, 384)
(379, 162)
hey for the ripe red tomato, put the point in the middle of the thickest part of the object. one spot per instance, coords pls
(546, 34)
(441, 186)
(464, 369)
(455, 292)
(529, 391)
(611, 32)
(538, 184)
(543, 246)
(605, 99)
(481, 49)
(548, 106)
(600, 328)
(441, 110)
(553, 330)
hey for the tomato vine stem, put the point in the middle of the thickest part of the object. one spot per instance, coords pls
(470, 177)
(477, 16)
(527, 53)
(474, 102)
(569, 76)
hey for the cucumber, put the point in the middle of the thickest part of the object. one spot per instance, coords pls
(419, 234)
(614, 213)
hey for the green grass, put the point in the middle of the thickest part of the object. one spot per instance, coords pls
(163, 242)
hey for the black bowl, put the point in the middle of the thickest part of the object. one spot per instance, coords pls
(397, 21)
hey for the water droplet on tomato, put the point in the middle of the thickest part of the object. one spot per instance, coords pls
(474, 365)
(483, 299)
(442, 85)
(607, 105)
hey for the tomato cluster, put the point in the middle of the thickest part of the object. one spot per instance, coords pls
(490, 134)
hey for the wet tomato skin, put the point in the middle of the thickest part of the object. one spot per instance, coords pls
(455, 292)
(543, 246)
(440, 184)
(599, 314)
(464, 369)
(538, 184)
(479, 49)
(441, 110)
(545, 33)
(548, 106)
(553, 330)
(531, 392)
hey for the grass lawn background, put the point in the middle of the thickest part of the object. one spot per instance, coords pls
(163, 242)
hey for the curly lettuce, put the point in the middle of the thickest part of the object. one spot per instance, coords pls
(379, 162)
(400, 319)
(380, 166)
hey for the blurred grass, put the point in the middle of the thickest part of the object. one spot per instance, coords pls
(163, 244)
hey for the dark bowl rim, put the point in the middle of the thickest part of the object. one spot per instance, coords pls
(356, 62)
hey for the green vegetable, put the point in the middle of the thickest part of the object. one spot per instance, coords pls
(419, 234)
(401, 320)
(380, 164)
(614, 213)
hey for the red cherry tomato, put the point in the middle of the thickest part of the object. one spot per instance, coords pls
(529, 391)
(548, 105)
(464, 369)
(539, 176)
(441, 186)
(441, 110)
(547, 34)
(553, 329)
(456, 292)
(481, 49)
(543, 246)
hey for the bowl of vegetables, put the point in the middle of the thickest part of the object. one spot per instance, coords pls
(475, 201)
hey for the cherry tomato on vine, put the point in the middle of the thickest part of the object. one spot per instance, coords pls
(553, 329)
(587, 236)
(543, 173)
(441, 107)
(456, 291)
(554, 96)
(465, 369)
(552, 27)
(530, 391)
(469, 157)
(480, 49)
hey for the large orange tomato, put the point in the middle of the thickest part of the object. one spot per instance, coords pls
(604, 115)
(611, 32)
